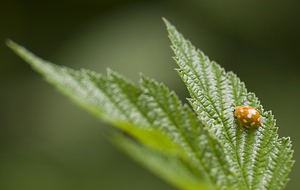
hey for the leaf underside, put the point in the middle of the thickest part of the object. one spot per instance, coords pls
(203, 148)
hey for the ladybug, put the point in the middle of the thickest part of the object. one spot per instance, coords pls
(248, 116)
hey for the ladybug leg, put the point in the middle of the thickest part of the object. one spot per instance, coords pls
(244, 129)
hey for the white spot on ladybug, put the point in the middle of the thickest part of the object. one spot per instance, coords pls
(244, 120)
(252, 111)
(252, 124)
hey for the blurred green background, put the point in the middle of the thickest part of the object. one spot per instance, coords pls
(47, 142)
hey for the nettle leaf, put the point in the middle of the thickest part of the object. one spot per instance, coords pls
(258, 158)
(203, 148)
(150, 113)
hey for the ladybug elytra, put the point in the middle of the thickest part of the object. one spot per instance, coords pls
(248, 116)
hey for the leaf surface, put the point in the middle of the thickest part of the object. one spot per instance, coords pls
(253, 154)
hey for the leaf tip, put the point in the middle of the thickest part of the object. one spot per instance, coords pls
(11, 44)
(18, 49)
(165, 20)
(167, 23)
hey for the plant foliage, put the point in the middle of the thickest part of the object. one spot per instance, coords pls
(203, 148)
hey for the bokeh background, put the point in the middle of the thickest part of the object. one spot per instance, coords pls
(47, 142)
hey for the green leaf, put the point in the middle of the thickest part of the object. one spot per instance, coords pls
(150, 113)
(255, 156)
(203, 148)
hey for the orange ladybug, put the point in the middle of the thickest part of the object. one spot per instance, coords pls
(248, 116)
